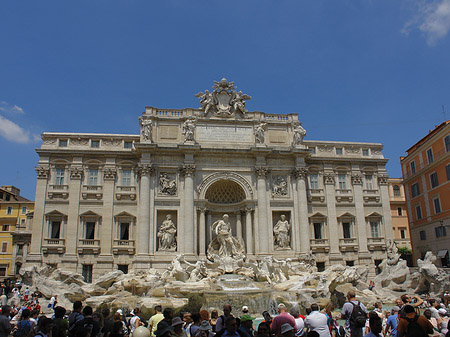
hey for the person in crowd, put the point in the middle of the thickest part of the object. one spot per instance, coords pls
(328, 311)
(282, 318)
(44, 327)
(299, 323)
(194, 325)
(244, 310)
(204, 330)
(220, 324)
(168, 316)
(163, 329)
(107, 323)
(155, 319)
(91, 325)
(432, 320)
(353, 326)
(231, 327)
(267, 318)
(213, 320)
(392, 322)
(443, 327)
(75, 317)
(415, 301)
(410, 315)
(135, 321)
(117, 329)
(375, 324)
(287, 330)
(263, 330)
(246, 326)
(117, 317)
(316, 321)
(60, 324)
(177, 326)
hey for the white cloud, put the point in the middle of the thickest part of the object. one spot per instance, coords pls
(431, 18)
(12, 109)
(13, 132)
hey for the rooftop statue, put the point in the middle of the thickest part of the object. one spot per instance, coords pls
(224, 100)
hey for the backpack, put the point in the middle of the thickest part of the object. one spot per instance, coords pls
(358, 316)
(23, 329)
(414, 329)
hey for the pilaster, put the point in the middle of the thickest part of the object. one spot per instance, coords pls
(384, 192)
(39, 217)
(329, 182)
(263, 223)
(188, 170)
(109, 179)
(145, 170)
(248, 231)
(71, 229)
(300, 174)
(360, 219)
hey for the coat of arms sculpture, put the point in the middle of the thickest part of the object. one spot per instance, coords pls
(224, 100)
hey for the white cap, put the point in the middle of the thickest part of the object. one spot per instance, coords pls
(244, 308)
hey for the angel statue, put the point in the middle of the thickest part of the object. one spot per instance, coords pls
(207, 101)
(238, 102)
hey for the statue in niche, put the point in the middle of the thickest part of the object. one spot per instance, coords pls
(146, 129)
(167, 235)
(188, 129)
(259, 132)
(224, 245)
(299, 133)
(280, 186)
(281, 233)
(167, 185)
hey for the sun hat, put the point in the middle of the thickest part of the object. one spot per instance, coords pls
(286, 327)
(395, 308)
(204, 325)
(245, 318)
(162, 328)
(177, 321)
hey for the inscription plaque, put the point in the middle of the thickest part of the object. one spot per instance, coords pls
(236, 134)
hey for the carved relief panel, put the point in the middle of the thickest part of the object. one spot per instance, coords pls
(280, 185)
(167, 183)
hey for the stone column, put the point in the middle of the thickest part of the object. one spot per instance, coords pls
(71, 231)
(248, 231)
(239, 225)
(329, 181)
(152, 223)
(363, 252)
(109, 178)
(189, 234)
(38, 230)
(385, 202)
(143, 224)
(300, 174)
(263, 219)
(202, 232)
(209, 223)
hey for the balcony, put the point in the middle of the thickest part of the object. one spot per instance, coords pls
(371, 195)
(319, 245)
(54, 245)
(58, 191)
(348, 245)
(123, 247)
(376, 244)
(316, 195)
(126, 192)
(92, 192)
(86, 246)
(344, 195)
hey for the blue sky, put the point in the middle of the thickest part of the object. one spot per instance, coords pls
(368, 70)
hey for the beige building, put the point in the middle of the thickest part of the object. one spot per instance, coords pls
(109, 201)
(399, 214)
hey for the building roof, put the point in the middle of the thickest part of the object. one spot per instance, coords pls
(14, 196)
(428, 136)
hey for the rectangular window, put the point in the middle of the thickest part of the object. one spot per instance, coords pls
(59, 176)
(339, 151)
(374, 229)
(350, 263)
(415, 190)
(403, 233)
(365, 152)
(90, 230)
(123, 268)
(440, 231)
(317, 230)
(4, 247)
(128, 145)
(342, 178)
(434, 179)
(430, 156)
(320, 266)
(369, 182)
(423, 235)
(55, 229)
(5, 228)
(346, 230)
(24, 210)
(22, 221)
(447, 143)
(124, 231)
(93, 174)
(95, 143)
(87, 273)
(413, 167)
(447, 170)
(437, 205)
(63, 143)
(126, 178)
(3, 271)
(314, 181)
(9, 210)
(313, 150)
(418, 212)
(399, 211)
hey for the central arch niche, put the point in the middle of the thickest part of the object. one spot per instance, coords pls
(225, 192)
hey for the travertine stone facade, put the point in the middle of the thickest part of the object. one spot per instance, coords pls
(101, 198)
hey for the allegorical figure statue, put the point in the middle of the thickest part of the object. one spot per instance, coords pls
(224, 244)
(167, 235)
(146, 129)
(281, 233)
(188, 129)
(259, 133)
(299, 133)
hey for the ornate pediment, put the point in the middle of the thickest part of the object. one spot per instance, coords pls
(224, 100)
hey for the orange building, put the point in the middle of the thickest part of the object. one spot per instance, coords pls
(399, 214)
(426, 178)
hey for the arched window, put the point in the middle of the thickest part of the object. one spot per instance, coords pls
(396, 191)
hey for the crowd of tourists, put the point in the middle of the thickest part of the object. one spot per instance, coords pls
(403, 320)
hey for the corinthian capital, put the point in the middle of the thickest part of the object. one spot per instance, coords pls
(188, 170)
(261, 171)
(42, 172)
(76, 173)
(145, 170)
(383, 179)
(109, 173)
(329, 178)
(300, 173)
(356, 179)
